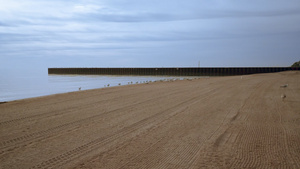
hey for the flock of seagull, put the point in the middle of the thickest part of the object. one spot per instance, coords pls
(283, 96)
(147, 82)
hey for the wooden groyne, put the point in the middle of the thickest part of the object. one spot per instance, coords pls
(180, 71)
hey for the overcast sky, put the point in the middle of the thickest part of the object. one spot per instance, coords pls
(143, 33)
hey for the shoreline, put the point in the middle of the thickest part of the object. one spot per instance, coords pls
(91, 83)
(167, 79)
(219, 122)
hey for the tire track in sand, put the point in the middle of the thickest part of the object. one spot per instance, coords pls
(62, 111)
(222, 135)
(70, 110)
(185, 149)
(46, 133)
(144, 124)
(172, 160)
(287, 139)
(156, 145)
(257, 130)
(41, 134)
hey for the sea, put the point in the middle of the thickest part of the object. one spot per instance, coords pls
(21, 84)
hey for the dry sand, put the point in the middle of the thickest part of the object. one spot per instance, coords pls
(220, 122)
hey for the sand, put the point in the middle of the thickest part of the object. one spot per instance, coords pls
(217, 122)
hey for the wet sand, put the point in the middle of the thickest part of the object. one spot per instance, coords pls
(218, 122)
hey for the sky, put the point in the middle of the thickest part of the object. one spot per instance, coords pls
(38, 34)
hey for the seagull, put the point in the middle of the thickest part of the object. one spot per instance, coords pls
(283, 96)
(79, 88)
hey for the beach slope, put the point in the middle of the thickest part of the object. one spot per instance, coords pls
(219, 122)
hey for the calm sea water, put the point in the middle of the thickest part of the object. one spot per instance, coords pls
(15, 85)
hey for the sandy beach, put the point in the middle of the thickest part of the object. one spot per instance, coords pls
(217, 122)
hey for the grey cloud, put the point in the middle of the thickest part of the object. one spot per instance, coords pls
(4, 24)
(166, 17)
(141, 29)
(237, 13)
(15, 37)
(136, 17)
(16, 23)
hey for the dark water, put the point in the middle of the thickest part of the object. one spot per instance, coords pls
(18, 84)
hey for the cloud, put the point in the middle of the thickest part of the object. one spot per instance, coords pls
(169, 17)
(4, 24)
(142, 29)
(134, 17)
(89, 8)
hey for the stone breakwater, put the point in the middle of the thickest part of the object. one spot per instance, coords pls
(180, 71)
